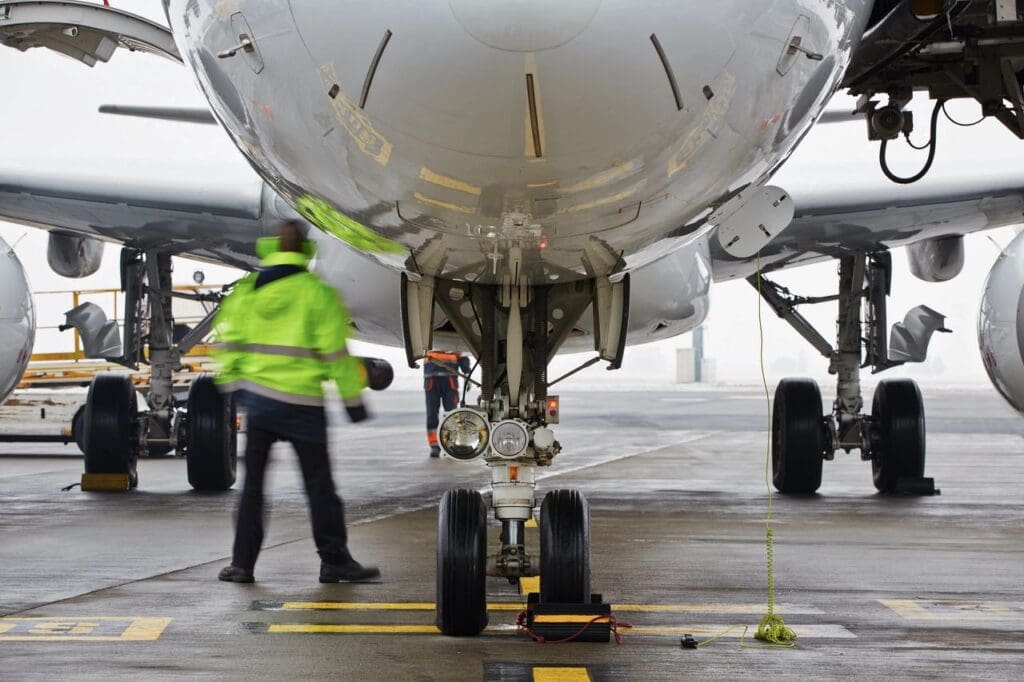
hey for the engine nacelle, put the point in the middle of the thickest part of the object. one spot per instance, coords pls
(1001, 324)
(937, 260)
(72, 256)
(17, 321)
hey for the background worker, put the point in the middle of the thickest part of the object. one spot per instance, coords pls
(441, 384)
(281, 333)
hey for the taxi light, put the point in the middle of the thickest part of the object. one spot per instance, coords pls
(509, 439)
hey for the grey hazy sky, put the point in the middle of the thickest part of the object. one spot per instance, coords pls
(50, 125)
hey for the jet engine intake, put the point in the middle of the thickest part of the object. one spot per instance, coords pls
(17, 321)
(72, 256)
(937, 260)
(1001, 324)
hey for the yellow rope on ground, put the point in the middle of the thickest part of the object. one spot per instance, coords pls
(772, 628)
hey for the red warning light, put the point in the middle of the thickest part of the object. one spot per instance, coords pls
(551, 409)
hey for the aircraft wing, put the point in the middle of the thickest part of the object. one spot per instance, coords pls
(218, 225)
(835, 218)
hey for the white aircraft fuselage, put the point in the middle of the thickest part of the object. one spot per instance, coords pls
(553, 140)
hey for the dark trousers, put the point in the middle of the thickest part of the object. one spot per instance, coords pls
(440, 390)
(326, 509)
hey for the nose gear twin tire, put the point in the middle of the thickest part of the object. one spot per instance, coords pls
(211, 441)
(898, 433)
(565, 548)
(798, 437)
(109, 427)
(462, 564)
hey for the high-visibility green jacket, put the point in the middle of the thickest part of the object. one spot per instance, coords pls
(284, 339)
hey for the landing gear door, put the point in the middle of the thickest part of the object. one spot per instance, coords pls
(85, 31)
(611, 319)
(417, 317)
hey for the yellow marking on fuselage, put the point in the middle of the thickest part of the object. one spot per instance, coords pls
(603, 201)
(443, 204)
(705, 129)
(356, 123)
(451, 183)
(547, 674)
(603, 178)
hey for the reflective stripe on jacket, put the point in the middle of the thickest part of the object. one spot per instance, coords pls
(441, 364)
(282, 340)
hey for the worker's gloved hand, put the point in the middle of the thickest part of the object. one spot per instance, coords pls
(357, 413)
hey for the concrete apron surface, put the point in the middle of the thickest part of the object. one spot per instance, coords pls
(124, 585)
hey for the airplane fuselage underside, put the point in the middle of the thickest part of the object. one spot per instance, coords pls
(457, 138)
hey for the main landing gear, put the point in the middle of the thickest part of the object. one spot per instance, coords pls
(112, 432)
(513, 330)
(892, 437)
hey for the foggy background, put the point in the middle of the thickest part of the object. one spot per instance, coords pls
(49, 125)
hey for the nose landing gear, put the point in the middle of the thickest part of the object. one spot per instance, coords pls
(513, 330)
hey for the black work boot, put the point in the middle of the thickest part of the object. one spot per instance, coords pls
(234, 574)
(435, 451)
(349, 572)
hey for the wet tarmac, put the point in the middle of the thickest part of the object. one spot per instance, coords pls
(118, 586)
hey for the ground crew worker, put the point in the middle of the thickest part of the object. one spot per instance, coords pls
(281, 333)
(441, 384)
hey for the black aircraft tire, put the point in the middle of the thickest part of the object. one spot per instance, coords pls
(78, 428)
(798, 437)
(109, 427)
(462, 564)
(565, 548)
(898, 433)
(211, 442)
